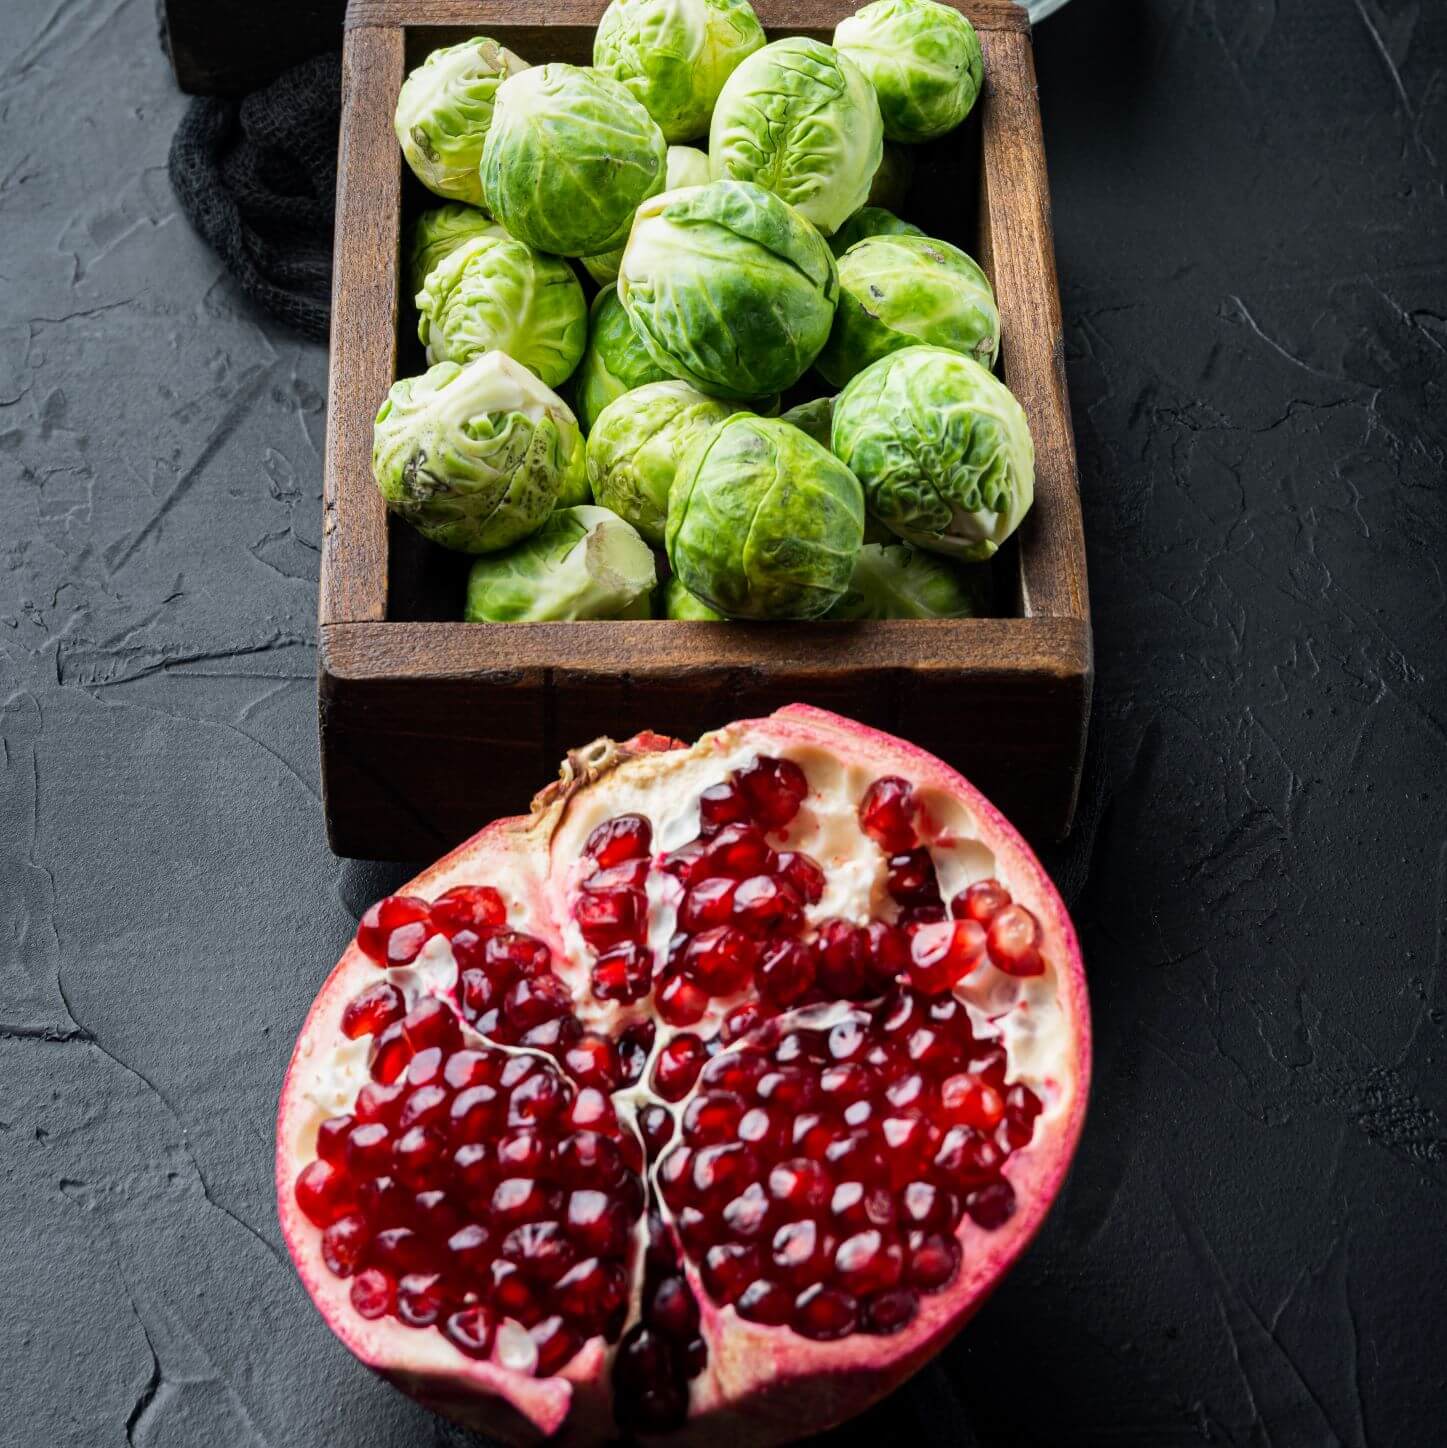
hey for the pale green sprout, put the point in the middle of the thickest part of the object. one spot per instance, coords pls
(687, 166)
(802, 120)
(893, 580)
(676, 602)
(583, 563)
(763, 523)
(444, 111)
(634, 448)
(495, 293)
(895, 291)
(568, 158)
(673, 56)
(870, 221)
(436, 234)
(923, 59)
(942, 450)
(615, 361)
(475, 457)
(728, 288)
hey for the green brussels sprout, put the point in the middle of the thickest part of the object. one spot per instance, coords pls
(444, 111)
(568, 157)
(675, 601)
(815, 418)
(475, 457)
(923, 59)
(893, 580)
(436, 234)
(673, 56)
(895, 291)
(582, 563)
(762, 521)
(728, 288)
(802, 120)
(615, 361)
(942, 449)
(870, 221)
(686, 166)
(635, 445)
(892, 181)
(497, 294)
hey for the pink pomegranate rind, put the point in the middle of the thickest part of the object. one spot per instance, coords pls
(760, 1384)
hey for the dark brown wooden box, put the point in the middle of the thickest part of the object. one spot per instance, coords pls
(430, 727)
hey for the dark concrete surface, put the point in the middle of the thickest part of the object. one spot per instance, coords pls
(1252, 230)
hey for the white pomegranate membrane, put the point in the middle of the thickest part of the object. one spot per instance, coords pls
(758, 1044)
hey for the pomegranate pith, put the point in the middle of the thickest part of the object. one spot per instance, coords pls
(597, 1098)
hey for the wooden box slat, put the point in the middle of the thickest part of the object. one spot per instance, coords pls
(430, 728)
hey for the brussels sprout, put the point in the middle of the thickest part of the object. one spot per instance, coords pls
(438, 233)
(686, 166)
(614, 362)
(814, 418)
(942, 449)
(894, 580)
(475, 457)
(634, 449)
(497, 294)
(924, 60)
(762, 521)
(728, 288)
(802, 120)
(870, 221)
(898, 290)
(582, 563)
(673, 56)
(675, 601)
(444, 111)
(892, 181)
(568, 157)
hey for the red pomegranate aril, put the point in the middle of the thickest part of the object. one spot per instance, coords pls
(868, 1262)
(841, 955)
(940, 956)
(789, 1088)
(803, 873)
(385, 1203)
(587, 1159)
(670, 1309)
(991, 1205)
(764, 905)
(799, 1251)
(748, 1214)
(593, 1061)
(405, 943)
(721, 1172)
(533, 999)
(965, 1156)
(968, 1101)
(891, 1312)
(516, 1200)
(981, 901)
(741, 1021)
(905, 1141)
(927, 1206)
(799, 1186)
(785, 972)
(677, 1066)
(590, 1291)
(608, 918)
(846, 1082)
(687, 863)
(556, 1343)
(511, 953)
(1022, 1107)
(1014, 942)
(391, 1051)
(468, 907)
(989, 1062)
(476, 1114)
(425, 1068)
(542, 1249)
(369, 1149)
(401, 1249)
(913, 915)
(774, 788)
(554, 1036)
(477, 993)
(720, 961)
(911, 879)
(373, 1010)
(432, 1023)
(763, 1130)
(523, 1153)
(738, 851)
(719, 805)
(343, 1244)
(635, 1043)
(435, 1214)
(709, 903)
(420, 1158)
(624, 837)
(680, 1001)
(887, 814)
(592, 1110)
(374, 1294)
(597, 1223)
(856, 1156)
(911, 1090)
(765, 1302)
(624, 973)
(378, 1102)
(824, 1314)
(470, 1330)
(537, 1100)
(630, 875)
(855, 1207)
(332, 1138)
(512, 1293)
(933, 1260)
(426, 1103)
(464, 1069)
(421, 1299)
(470, 1250)
(727, 1269)
(656, 1124)
(888, 948)
(386, 916)
(712, 1118)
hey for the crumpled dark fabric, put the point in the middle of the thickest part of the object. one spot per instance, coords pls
(258, 178)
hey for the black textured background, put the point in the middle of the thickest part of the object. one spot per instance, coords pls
(1251, 229)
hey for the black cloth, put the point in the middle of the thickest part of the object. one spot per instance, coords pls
(258, 180)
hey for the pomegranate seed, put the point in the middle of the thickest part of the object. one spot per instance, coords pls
(624, 837)
(981, 901)
(926, 1205)
(761, 1129)
(555, 1342)
(435, 1215)
(738, 1071)
(432, 1023)
(678, 1065)
(712, 1118)
(799, 1186)
(510, 954)
(933, 1260)
(648, 1394)
(607, 919)
(671, 1310)
(623, 974)
(922, 915)
(886, 814)
(386, 916)
(476, 1114)
(803, 873)
(991, 1205)
(905, 1140)
(846, 1082)
(911, 878)
(741, 1021)
(523, 1153)
(533, 999)
(891, 1312)
(727, 1269)
(469, 907)
(789, 1088)
(541, 1249)
(476, 993)
(390, 1054)
(405, 943)
(738, 851)
(964, 1156)
(597, 1223)
(400, 1249)
(656, 1124)
(687, 863)
(841, 955)
(720, 805)
(799, 1251)
(376, 1102)
(764, 905)
(592, 1110)
(420, 1158)
(721, 1172)
(1022, 1106)
(989, 1062)
(707, 904)
(940, 956)
(425, 1067)
(374, 1294)
(332, 1138)
(373, 1010)
(421, 1299)
(589, 1292)
(470, 1330)
(369, 1148)
(720, 961)
(971, 1102)
(632, 874)
(868, 1262)
(786, 971)
(774, 788)
(385, 1203)
(426, 1103)
(1014, 942)
(470, 1250)
(824, 1313)
(537, 1100)
(766, 1302)
(888, 953)
(472, 1068)
(681, 1002)
(593, 1061)
(747, 1215)
(516, 1200)
(343, 1244)
(855, 1206)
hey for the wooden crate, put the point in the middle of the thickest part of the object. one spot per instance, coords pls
(429, 727)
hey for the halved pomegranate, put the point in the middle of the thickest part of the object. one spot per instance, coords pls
(710, 1099)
